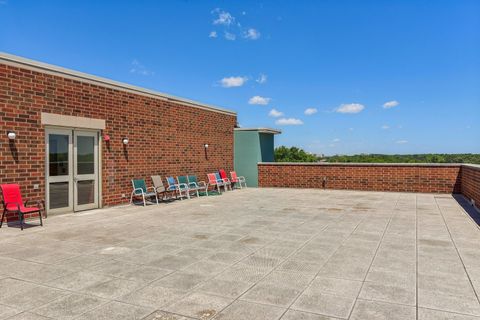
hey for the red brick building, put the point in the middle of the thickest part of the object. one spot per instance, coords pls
(70, 129)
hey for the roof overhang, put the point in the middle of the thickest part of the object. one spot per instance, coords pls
(261, 130)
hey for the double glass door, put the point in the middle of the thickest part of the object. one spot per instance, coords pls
(72, 170)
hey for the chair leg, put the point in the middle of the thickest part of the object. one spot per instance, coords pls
(144, 202)
(20, 215)
(3, 216)
(156, 197)
(40, 216)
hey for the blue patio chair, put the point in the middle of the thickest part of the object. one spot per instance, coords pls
(180, 189)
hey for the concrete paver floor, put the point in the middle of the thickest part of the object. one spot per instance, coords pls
(249, 254)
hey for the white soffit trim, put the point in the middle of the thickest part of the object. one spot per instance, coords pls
(51, 119)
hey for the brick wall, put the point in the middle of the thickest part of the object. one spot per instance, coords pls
(471, 183)
(166, 137)
(403, 178)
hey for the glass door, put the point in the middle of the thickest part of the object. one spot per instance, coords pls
(59, 187)
(85, 173)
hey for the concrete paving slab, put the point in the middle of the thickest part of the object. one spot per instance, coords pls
(296, 254)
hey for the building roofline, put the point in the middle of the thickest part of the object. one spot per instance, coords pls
(261, 130)
(16, 61)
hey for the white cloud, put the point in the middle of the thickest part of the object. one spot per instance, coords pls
(289, 122)
(275, 113)
(401, 141)
(262, 78)
(138, 68)
(390, 104)
(259, 100)
(336, 140)
(230, 36)
(251, 34)
(230, 82)
(350, 108)
(385, 127)
(223, 17)
(310, 111)
(213, 34)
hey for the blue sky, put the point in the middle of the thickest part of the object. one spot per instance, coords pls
(376, 76)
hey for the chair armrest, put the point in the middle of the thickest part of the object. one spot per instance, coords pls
(194, 184)
(38, 202)
(202, 183)
(226, 180)
(180, 185)
(136, 189)
(161, 189)
(153, 188)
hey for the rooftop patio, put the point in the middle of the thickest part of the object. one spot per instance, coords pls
(249, 254)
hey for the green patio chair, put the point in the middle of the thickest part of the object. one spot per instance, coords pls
(140, 189)
(185, 186)
(199, 186)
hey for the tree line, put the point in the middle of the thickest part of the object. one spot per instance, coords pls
(294, 154)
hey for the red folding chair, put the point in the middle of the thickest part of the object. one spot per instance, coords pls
(13, 203)
(224, 178)
(237, 179)
(215, 182)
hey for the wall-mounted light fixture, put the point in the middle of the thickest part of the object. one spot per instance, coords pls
(11, 135)
(205, 146)
(125, 141)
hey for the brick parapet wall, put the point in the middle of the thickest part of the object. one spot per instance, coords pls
(471, 183)
(166, 137)
(431, 178)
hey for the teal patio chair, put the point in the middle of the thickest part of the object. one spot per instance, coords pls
(183, 183)
(140, 189)
(199, 186)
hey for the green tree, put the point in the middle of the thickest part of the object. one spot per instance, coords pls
(408, 158)
(293, 154)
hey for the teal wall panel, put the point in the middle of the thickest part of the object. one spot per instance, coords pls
(252, 147)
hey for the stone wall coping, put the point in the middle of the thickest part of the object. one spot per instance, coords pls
(359, 164)
(472, 166)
